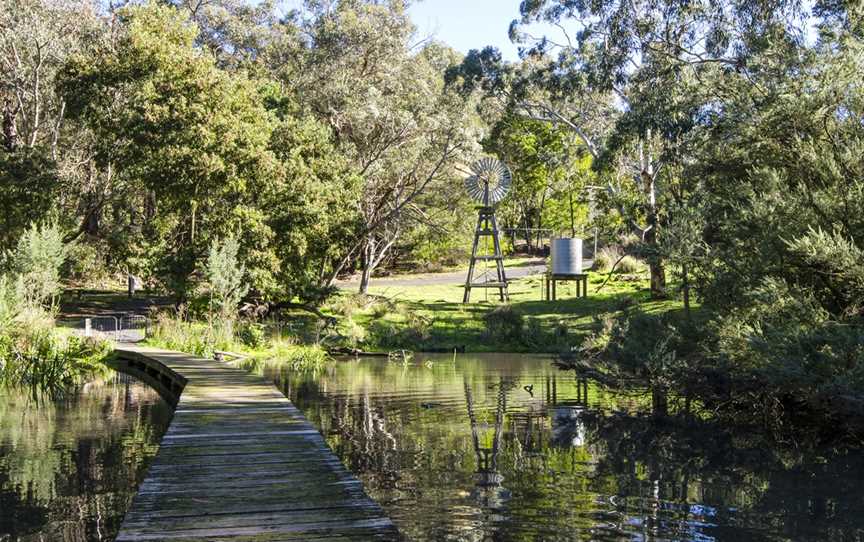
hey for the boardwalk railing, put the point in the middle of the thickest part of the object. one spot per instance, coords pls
(127, 328)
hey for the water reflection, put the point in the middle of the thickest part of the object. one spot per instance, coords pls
(509, 448)
(489, 491)
(69, 468)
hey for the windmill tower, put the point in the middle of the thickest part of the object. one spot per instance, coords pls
(488, 183)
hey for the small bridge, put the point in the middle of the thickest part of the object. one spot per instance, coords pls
(240, 463)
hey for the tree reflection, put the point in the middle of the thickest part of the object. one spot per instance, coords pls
(69, 468)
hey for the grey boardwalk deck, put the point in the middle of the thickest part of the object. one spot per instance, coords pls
(240, 463)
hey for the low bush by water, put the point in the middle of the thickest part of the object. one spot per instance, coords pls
(45, 361)
(251, 340)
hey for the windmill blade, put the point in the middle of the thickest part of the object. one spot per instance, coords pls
(493, 171)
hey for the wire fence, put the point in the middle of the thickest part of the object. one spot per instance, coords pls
(119, 327)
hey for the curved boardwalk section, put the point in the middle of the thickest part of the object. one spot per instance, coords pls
(241, 463)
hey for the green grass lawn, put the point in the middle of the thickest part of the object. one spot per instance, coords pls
(432, 317)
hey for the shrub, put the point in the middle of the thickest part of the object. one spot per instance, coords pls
(415, 331)
(173, 332)
(85, 264)
(383, 333)
(382, 308)
(606, 258)
(10, 304)
(533, 336)
(225, 285)
(36, 263)
(347, 304)
(629, 264)
(418, 329)
(251, 334)
(298, 357)
(47, 362)
(354, 333)
(503, 323)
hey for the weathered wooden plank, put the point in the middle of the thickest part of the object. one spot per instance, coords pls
(160, 516)
(284, 517)
(320, 528)
(275, 471)
(241, 463)
(305, 456)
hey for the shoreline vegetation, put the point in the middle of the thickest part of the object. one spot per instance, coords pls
(34, 353)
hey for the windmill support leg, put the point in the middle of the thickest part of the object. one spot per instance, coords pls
(466, 297)
(499, 261)
(487, 226)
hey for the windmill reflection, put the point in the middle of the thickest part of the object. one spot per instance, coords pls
(488, 479)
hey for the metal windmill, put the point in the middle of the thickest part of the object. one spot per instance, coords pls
(488, 183)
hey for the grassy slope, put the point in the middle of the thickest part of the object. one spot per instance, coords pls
(433, 316)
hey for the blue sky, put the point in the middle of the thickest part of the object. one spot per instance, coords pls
(463, 24)
(468, 24)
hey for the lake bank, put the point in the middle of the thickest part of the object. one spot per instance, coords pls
(432, 317)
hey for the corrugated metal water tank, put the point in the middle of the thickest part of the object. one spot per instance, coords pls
(567, 256)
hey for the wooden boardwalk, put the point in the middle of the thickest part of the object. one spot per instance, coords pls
(241, 463)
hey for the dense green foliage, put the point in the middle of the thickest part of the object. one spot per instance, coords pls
(320, 146)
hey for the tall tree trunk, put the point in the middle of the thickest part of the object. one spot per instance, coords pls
(572, 217)
(373, 254)
(10, 130)
(365, 275)
(540, 222)
(685, 286)
(655, 262)
(366, 267)
(659, 401)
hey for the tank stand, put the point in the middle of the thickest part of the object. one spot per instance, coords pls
(549, 293)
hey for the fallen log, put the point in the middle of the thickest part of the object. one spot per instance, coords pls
(345, 351)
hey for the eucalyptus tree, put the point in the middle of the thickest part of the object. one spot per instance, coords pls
(208, 153)
(535, 153)
(357, 67)
(631, 80)
(36, 37)
(45, 161)
(163, 114)
(236, 32)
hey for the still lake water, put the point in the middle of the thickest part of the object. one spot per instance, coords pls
(505, 447)
(69, 468)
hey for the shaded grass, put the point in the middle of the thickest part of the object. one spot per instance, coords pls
(80, 302)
